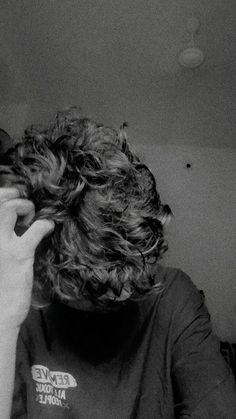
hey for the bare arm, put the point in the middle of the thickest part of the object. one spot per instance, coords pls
(7, 369)
(16, 274)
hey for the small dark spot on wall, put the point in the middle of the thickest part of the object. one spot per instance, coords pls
(188, 165)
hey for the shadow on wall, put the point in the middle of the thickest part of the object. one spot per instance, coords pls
(5, 141)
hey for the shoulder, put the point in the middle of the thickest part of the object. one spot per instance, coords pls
(175, 283)
(178, 298)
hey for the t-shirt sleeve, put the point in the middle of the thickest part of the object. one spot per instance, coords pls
(203, 384)
(19, 402)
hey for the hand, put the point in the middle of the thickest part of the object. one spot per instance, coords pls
(17, 256)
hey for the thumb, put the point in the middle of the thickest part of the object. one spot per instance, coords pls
(35, 233)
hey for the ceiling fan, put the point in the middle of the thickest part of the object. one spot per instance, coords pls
(192, 56)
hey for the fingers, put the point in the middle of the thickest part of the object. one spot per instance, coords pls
(35, 233)
(10, 210)
(8, 193)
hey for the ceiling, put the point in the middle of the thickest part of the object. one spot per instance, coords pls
(114, 52)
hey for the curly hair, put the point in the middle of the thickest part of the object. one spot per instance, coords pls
(107, 212)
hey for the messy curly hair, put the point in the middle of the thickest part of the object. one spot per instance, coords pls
(108, 215)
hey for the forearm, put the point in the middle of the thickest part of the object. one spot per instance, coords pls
(8, 340)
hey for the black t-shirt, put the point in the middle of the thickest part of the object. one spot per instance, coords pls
(154, 358)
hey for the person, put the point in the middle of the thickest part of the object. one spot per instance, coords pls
(93, 326)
